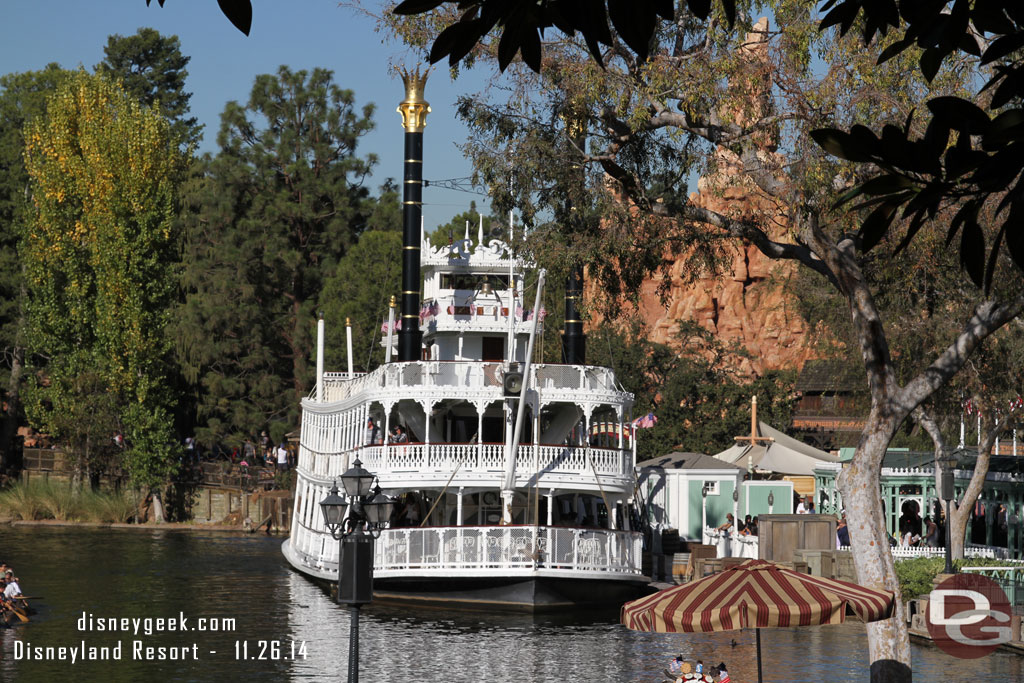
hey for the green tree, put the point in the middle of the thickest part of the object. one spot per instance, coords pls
(690, 386)
(359, 291)
(455, 229)
(268, 220)
(101, 264)
(152, 70)
(22, 97)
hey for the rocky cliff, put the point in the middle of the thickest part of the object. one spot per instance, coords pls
(746, 301)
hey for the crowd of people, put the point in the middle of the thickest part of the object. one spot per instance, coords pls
(680, 670)
(746, 527)
(252, 452)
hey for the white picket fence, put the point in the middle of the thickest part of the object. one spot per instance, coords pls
(904, 551)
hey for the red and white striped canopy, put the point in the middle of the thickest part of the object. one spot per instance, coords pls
(757, 594)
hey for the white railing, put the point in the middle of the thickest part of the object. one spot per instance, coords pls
(444, 549)
(468, 374)
(730, 544)
(473, 459)
(908, 551)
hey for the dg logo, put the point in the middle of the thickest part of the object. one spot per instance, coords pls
(968, 616)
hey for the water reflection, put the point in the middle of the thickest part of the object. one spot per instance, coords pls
(159, 574)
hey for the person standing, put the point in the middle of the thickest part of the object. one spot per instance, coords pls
(371, 432)
(282, 457)
(842, 534)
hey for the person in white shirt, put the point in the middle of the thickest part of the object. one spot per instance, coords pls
(13, 590)
(803, 507)
(282, 457)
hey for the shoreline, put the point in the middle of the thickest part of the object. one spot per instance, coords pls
(149, 526)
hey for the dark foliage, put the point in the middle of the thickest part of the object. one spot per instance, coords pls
(238, 12)
(968, 157)
(523, 24)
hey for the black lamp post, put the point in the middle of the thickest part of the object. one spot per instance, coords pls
(771, 501)
(736, 510)
(947, 462)
(367, 516)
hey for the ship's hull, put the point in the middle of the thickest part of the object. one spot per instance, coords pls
(525, 591)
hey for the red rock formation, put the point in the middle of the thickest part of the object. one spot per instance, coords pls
(745, 302)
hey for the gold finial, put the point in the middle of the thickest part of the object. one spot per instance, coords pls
(392, 304)
(348, 322)
(414, 108)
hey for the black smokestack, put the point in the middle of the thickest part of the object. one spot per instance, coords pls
(414, 111)
(574, 342)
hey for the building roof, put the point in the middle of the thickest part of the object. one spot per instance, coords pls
(827, 375)
(688, 461)
(782, 455)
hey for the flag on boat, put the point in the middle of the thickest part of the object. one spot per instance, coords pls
(645, 422)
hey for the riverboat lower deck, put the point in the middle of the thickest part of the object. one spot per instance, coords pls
(490, 566)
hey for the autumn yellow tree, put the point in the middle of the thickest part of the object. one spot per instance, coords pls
(101, 257)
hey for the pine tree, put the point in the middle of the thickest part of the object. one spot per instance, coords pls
(267, 221)
(152, 70)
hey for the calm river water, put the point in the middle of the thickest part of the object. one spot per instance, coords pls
(135, 574)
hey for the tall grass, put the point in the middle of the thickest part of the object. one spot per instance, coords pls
(39, 499)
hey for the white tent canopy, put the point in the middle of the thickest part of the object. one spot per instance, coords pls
(782, 455)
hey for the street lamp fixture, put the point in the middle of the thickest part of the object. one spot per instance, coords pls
(947, 462)
(704, 513)
(771, 501)
(367, 516)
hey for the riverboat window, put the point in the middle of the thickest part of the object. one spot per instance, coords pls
(712, 487)
(472, 281)
(910, 490)
(493, 349)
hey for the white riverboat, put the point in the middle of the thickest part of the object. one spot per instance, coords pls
(560, 536)
(500, 506)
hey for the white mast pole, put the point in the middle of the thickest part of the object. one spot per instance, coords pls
(320, 358)
(348, 345)
(510, 459)
(391, 331)
(511, 292)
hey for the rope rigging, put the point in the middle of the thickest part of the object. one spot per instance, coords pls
(465, 184)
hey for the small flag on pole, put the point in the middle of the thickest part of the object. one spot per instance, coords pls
(645, 422)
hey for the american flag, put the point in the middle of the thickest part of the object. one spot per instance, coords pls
(645, 422)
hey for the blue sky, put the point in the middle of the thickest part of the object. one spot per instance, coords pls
(302, 34)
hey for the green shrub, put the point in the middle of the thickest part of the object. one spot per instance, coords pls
(62, 502)
(116, 507)
(47, 500)
(917, 575)
(23, 501)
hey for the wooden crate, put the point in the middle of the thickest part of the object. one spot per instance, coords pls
(780, 535)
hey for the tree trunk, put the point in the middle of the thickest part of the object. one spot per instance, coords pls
(961, 514)
(860, 485)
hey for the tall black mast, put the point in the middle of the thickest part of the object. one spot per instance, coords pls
(414, 110)
(574, 342)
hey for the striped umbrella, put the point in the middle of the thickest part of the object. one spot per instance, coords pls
(756, 594)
